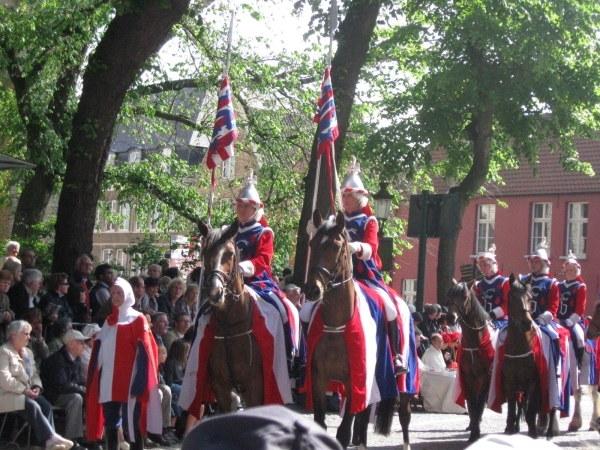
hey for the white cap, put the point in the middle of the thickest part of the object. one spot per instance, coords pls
(352, 182)
(91, 329)
(73, 335)
(249, 194)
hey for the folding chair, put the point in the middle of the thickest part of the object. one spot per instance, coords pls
(14, 442)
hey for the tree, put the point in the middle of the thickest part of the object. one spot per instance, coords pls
(482, 83)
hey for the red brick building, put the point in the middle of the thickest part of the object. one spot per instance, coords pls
(562, 206)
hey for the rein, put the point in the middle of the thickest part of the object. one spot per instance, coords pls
(333, 275)
(463, 313)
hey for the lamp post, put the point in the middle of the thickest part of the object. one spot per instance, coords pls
(382, 203)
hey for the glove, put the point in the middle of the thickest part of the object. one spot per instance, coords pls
(541, 321)
(354, 247)
(310, 227)
(569, 323)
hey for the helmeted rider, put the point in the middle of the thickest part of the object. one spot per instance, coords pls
(492, 291)
(255, 243)
(362, 228)
(573, 297)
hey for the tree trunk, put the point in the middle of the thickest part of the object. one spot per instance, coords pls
(467, 189)
(127, 43)
(354, 38)
(33, 202)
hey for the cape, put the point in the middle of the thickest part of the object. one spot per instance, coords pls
(486, 352)
(268, 331)
(371, 371)
(542, 354)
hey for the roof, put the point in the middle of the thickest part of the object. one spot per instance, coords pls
(8, 162)
(551, 178)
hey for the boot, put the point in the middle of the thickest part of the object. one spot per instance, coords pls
(111, 438)
(579, 356)
(139, 441)
(394, 338)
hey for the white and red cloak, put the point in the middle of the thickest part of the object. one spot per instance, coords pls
(268, 331)
(123, 368)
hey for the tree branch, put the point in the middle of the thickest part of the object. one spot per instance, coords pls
(170, 85)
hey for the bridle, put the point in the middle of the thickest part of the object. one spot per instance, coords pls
(337, 271)
(524, 309)
(227, 279)
(463, 312)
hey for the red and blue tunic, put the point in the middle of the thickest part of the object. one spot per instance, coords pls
(544, 290)
(492, 293)
(363, 228)
(573, 297)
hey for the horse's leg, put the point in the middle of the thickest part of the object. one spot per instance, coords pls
(534, 403)
(478, 407)
(553, 426)
(345, 428)
(521, 405)
(356, 430)
(511, 415)
(362, 427)
(404, 414)
(593, 391)
(542, 424)
(319, 387)
(576, 421)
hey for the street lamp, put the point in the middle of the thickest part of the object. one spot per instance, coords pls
(382, 203)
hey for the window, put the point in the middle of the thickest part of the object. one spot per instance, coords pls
(107, 255)
(541, 225)
(486, 218)
(126, 213)
(136, 223)
(577, 229)
(154, 220)
(109, 226)
(409, 291)
(120, 258)
(135, 156)
(228, 168)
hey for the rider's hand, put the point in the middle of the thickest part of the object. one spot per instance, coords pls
(540, 321)
(569, 323)
(354, 247)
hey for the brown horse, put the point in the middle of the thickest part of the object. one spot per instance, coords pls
(593, 334)
(475, 353)
(235, 363)
(330, 282)
(520, 376)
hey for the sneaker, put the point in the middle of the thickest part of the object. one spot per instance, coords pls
(150, 444)
(67, 444)
(124, 445)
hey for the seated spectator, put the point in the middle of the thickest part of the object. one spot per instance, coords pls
(58, 330)
(167, 438)
(12, 253)
(6, 314)
(154, 271)
(173, 372)
(99, 295)
(139, 292)
(90, 331)
(292, 292)
(189, 302)
(182, 324)
(429, 324)
(63, 388)
(151, 286)
(81, 278)
(167, 301)
(28, 259)
(433, 358)
(37, 343)
(172, 273)
(54, 305)
(159, 324)
(262, 427)
(15, 269)
(24, 294)
(20, 387)
(163, 283)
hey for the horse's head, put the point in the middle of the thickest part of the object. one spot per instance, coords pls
(459, 301)
(519, 303)
(220, 261)
(330, 262)
(593, 330)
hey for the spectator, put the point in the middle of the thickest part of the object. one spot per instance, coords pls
(163, 283)
(173, 371)
(37, 343)
(159, 326)
(182, 324)
(139, 292)
(194, 276)
(6, 314)
(151, 286)
(24, 294)
(167, 438)
(63, 388)
(20, 387)
(172, 273)
(12, 253)
(28, 259)
(125, 347)
(167, 301)
(164, 266)
(154, 271)
(99, 295)
(189, 302)
(429, 324)
(81, 278)
(90, 331)
(15, 269)
(433, 357)
(58, 330)
(54, 305)
(292, 292)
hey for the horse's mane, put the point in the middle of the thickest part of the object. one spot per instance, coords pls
(214, 237)
(461, 289)
(326, 227)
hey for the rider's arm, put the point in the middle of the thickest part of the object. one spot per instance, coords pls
(580, 301)
(553, 299)
(263, 256)
(368, 246)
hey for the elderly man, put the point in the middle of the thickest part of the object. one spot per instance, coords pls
(12, 253)
(159, 326)
(292, 292)
(28, 259)
(24, 294)
(61, 376)
(154, 271)
(182, 324)
(81, 277)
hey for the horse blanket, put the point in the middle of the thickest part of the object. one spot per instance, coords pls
(268, 331)
(485, 351)
(541, 352)
(371, 370)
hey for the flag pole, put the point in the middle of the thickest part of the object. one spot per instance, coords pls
(333, 21)
(229, 40)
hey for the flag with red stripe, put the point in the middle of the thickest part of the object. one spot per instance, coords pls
(225, 131)
(326, 116)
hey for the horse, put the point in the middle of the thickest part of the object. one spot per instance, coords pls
(330, 283)
(520, 375)
(593, 335)
(475, 354)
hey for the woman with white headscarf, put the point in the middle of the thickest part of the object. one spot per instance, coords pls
(122, 376)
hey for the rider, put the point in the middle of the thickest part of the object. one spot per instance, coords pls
(255, 243)
(572, 304)
(492, 291)
(362, 229)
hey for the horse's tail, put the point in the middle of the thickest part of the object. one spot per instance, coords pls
(522, 406)
(385, 416)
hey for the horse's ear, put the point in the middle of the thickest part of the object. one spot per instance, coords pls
(340, 221)
(511, 279)
(454, 282)
(317, 218)
(232, 230)
(203, 228)
(471, 284)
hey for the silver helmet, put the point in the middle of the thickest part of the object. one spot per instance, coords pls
(352, 182)
(540, 252)
(249, 194)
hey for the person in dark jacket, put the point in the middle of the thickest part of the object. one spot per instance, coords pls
(24, 294)
(81, 278)
(55, 305)
(61, 377)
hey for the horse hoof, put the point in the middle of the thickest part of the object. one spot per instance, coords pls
(573, 428)
(406, 446)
